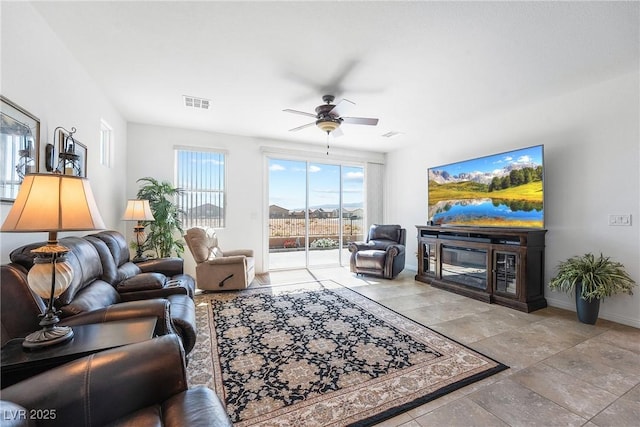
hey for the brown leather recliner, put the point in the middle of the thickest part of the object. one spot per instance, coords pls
(383, 254)
(140, 384)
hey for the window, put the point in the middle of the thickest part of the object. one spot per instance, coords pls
(201, 176)
(106, 135)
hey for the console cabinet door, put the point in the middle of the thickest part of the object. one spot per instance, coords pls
(505, 273)
(427, 254)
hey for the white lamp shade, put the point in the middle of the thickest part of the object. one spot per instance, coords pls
(138, 210)
(53, 202)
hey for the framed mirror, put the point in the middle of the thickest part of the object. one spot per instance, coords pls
(19, 147)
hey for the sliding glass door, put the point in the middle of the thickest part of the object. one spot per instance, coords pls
(315, 209)
(287, 214)
(324, 214)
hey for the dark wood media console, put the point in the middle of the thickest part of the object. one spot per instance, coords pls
(496, 265)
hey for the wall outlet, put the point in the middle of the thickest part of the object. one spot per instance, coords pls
(620, 219)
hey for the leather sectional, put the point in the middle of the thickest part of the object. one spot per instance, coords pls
(106, 286)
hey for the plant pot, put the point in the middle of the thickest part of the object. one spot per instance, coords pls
(587, 310)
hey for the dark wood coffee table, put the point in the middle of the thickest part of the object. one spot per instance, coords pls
(18, 363)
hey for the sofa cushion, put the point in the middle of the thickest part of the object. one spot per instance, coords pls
(385, 232)
(117, 245)
(109, 267)
(85, 263)
(100, 294)
(113, 272)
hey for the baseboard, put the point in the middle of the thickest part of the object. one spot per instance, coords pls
(567, 304)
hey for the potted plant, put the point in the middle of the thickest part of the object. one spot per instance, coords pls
(593, 278)
(161, 236)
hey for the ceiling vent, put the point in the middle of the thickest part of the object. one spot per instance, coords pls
(193, 102)
(391, 134)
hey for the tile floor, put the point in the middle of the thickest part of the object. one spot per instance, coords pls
(562, 372)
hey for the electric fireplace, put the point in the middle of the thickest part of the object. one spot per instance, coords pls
(466, 266)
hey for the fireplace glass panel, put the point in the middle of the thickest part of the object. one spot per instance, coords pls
(466, 266)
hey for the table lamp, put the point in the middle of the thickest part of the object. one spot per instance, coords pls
(138, 210)
(52, 203)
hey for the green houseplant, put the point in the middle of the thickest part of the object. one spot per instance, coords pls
(593, 278)
(161, 237)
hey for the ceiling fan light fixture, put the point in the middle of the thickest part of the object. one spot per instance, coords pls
(328, 125)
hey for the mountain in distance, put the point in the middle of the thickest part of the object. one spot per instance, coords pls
(331, 207)
(444, 177)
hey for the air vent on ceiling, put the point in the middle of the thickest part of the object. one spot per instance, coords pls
(391, 134)
(193, 102)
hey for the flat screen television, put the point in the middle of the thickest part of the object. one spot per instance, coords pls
(500, 190)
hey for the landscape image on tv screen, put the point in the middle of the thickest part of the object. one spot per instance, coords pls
(502, 190)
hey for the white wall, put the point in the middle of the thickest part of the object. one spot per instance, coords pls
(150, 153)
(591, 139)
(40, 75)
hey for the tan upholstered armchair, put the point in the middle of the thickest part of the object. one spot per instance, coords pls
(217, 270)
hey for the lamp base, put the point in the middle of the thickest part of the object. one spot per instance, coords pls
(47, 337)
(140, 258)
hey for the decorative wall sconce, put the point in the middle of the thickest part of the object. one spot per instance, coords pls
(68, 160)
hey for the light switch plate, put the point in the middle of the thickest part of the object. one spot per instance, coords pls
(620, 219)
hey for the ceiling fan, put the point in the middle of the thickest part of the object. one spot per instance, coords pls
(329, 117)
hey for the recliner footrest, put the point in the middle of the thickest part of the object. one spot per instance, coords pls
(373, 259)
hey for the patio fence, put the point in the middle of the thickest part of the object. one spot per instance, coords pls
(290, 232)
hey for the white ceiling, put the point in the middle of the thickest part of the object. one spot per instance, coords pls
(417, 66)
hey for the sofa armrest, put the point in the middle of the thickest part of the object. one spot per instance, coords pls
(394, 250)
(196, 407)
(106, 386)
(183, 318)
(170, 266)
(142, 282)
(359, 246)
(158, 308)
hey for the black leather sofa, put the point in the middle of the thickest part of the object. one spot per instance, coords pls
(106, 286)
(140, 384)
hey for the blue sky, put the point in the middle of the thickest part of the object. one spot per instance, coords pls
(496, 161)
(287, 184)
(206, 165)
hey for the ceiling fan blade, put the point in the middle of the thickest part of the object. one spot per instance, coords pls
(360, 121)
(302, 113)
(302, 127)
(337, 133)
(341, 108)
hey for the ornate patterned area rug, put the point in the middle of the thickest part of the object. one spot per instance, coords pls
(320, 354)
